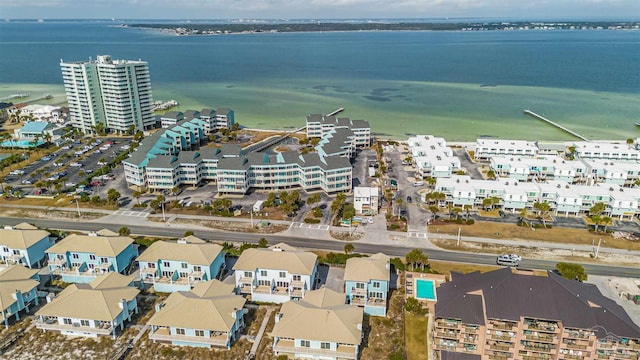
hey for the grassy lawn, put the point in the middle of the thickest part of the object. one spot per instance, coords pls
(444, 267)
(510, 231)
(415, 327)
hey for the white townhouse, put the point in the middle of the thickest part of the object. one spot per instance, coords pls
(540, 168)
(319, 327)
(432, 157)
(605, 150)
(563, 197)
(276, 274)
(485, 148)
(366, 200)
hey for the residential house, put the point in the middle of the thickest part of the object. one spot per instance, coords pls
(513, 315)
(33, 130)
(179, 265)
(208, 315)
(80, 258)
(91, 309)
(367, 283)
(23, 244)
(605, 150)
(276, 274)
(18, 291)
(366, 200)
(319, 327)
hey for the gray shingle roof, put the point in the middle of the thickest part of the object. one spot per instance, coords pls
(509, 296)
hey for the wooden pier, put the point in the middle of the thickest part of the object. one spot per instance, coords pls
(336, 112)
(540, 117)
(270, 142)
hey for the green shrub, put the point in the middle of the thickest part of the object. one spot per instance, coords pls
(312, 221)
(470, 222)
(397, 263)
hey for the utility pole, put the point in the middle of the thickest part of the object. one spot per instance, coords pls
(78, 207)
(251, 212)
(162, 204)
(458, 237)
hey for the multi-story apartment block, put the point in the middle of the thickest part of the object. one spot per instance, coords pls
(486, 148)
(91, 310)
(319, 327)
(605, 151)
(209, 315)
(564, 198)
(222, 118)
(178, 266)
(432, 157)
(367, 283)
(18, 291)
(23, 244)
(225, 118)
(277, 274)
(508, 315)
(114, 93)
(165, 160)
(366, 200)
(318, 126)
(80, 258)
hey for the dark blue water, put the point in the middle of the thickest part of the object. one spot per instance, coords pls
(588, 60)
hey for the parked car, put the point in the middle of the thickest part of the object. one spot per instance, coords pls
(17, 172)
(409, 199)
(70, 184)
(101, 163)
(46, 158)
(40, 191)
(75, 164)
(26, 182)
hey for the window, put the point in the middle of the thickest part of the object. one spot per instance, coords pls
(197, 268)
(376, 284)
(248, 274)
(92, 257)
(166, 264)
(179, 331)
(84, 322)
(359, 285)
(325, 345)
(263, 272)
(151, 265)
(5, 249)
(184, 265)
(305, 343)
(66, 321)
(199, 332)
(75, 256)
(283, 274)
(297, 278)
(16, 252)
(104, 260)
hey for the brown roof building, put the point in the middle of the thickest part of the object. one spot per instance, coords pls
(501, 314)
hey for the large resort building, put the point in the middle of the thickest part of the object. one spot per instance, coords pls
(505, 315)
(113, 93)
(169, 158)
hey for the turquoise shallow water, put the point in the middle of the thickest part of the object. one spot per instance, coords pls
(458, 85)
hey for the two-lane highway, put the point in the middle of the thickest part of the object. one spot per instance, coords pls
(310, 243)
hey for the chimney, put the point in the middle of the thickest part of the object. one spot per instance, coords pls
(182, 241)
(278, 317)
(159, 306)
(93, 234)
(123, 304)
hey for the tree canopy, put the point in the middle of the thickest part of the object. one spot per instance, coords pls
(571, 271)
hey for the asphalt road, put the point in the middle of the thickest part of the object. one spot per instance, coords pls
(317, 244)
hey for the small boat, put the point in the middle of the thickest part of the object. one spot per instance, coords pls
(638, 124)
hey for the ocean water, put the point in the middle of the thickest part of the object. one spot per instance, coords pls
(459, 85)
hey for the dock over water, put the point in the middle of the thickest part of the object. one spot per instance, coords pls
(540, 117)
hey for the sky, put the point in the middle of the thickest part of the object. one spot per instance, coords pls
(319, 9)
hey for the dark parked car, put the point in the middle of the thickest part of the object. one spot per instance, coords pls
(409, 199)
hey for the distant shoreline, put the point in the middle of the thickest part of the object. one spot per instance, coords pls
(182, 29)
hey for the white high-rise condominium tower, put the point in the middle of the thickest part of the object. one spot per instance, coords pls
(113, 95)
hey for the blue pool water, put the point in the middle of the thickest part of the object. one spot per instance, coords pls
(425, 289)
(20, 143)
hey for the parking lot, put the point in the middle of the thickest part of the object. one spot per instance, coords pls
(66, 166)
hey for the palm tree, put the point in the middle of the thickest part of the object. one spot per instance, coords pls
(136, 194)
(467, 208)
(597, 220)
(399, 203)
(175, 191)
(47, 137)
(543, 208)
(606, 220)
(523, 215)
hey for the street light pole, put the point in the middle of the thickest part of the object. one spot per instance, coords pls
(162, 204)
(251, 218)
(78, 207)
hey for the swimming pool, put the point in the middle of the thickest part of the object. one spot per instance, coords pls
(20, 143)
(425, 289)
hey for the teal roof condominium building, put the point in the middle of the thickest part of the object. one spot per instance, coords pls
(111, 94)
